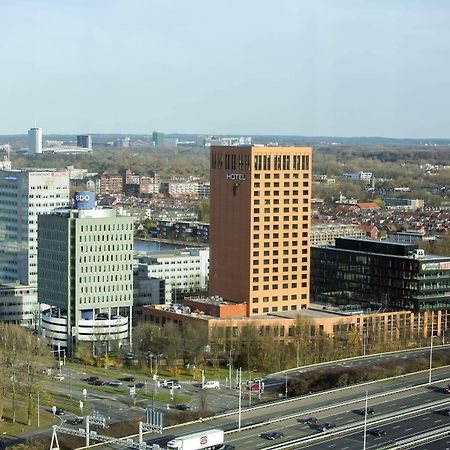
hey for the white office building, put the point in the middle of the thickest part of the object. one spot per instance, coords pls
(35, 140)
(184, 271)
(24, 195)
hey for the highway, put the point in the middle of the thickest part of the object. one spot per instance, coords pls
(322, 408)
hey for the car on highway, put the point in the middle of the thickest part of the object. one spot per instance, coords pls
(115, 383)
(271, 435)
(59, 377)
(446, 412)
(370, 411)
(59, 412)
(228, 447)
(75, 421)
(96, 383)
(310, 420)
(378, 432)
(326, 426)
(446, 390)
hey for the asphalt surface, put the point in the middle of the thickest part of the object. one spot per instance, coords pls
(294, 428)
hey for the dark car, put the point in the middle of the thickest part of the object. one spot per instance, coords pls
(271, 435)
(310, 420)
(75, 421)
(59, 412)
(97, 383)
(139, 385)
(91, 379)
(127, 379)
(446, 412)
(378, 432)
(370, 411)
(182, 407)
(326, 426)
(228, 447)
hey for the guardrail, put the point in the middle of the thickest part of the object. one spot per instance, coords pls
(328, 407)
(357, 358)
(317, 394)
(355, 427)
(419, 438)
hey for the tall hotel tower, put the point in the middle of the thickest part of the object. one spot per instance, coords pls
(260, 227)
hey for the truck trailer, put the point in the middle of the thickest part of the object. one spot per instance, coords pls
(211, 440)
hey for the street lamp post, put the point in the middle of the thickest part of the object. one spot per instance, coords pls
(240, 398)
(431, 352)
(365, 423)
(286, 387)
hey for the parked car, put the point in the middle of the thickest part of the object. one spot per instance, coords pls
(271, 435)
(182, 407)
(90, 379)
(310, 420)
(130, 378)
(211, 385)
(378, 432)
(172, 385)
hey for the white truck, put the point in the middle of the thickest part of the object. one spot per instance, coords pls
(211, 439)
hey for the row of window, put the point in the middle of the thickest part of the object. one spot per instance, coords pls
(107, 227)
(276, 309)
(267, 287)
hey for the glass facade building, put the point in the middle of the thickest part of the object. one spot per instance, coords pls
(380, 275)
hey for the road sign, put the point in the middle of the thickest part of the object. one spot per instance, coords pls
(154, 421)
(95, 418)
(84, 393)
(81, 405)
(133, 391)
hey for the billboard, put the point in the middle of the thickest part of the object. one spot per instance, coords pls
(84, 200)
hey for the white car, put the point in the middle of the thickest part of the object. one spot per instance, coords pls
(172, 385)
(58, 377)
(211, 385)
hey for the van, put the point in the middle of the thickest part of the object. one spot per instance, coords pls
(211, 385)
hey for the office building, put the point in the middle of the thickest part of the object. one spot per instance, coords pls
(380, 275)
(183, 271)
(158, 138)
(260, 224)
(24, 195)
(86, 276)
(147, 290)
(84, 141)
(35, 140)
(18, 304)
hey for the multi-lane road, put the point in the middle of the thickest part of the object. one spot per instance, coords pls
(341, 408)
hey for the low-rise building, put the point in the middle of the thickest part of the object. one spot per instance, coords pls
(327, 233)
(19, 304)
(183, 271)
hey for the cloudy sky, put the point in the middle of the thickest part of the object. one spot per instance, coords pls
(317, 67)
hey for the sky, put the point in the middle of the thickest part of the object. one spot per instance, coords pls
(246, 67)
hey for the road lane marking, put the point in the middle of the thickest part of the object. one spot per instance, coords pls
(398, 426)
(426, 418)
(408, 429)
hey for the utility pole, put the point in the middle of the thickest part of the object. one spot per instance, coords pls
(38, 416)
(431, 352)
(365, 424)
(240, 398)
(286, 387)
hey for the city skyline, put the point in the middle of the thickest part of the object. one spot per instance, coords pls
(291, 68)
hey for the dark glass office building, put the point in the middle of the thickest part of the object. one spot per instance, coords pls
(379, 274)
